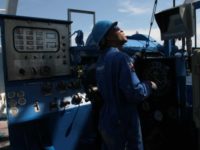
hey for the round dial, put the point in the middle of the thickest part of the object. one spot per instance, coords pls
(158, 115)
(22, 101)
(11, 94)
(12, 102)
(14, 111)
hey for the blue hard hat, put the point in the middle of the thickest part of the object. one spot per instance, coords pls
(99, 31)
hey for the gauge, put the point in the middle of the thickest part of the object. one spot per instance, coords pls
(158, 115)
(11, 94)
(14, 111)
(20, 94)
(21, 101)
(12, 102)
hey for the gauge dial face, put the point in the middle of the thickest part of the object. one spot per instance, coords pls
(12, 102)
(14, 111)
(158, 115)
(11, 94)
(22, 101)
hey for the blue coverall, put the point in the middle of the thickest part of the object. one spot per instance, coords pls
(121, 91)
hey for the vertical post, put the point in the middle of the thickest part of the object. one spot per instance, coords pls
(70, 11)
(189, 50)
(174, 3)
(11, 7)
(169, 47)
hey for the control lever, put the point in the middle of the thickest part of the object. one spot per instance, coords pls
(36, 106)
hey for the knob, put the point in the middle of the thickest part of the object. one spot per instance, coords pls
(22, 71)
(76, 99)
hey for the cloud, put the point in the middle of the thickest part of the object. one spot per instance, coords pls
(126, 6)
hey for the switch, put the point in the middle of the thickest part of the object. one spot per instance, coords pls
(36, 106)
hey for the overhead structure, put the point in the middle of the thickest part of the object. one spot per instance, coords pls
(11, 7)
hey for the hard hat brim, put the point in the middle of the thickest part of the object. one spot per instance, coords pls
(112, 26)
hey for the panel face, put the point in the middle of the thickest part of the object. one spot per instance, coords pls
(35, 40)
(36, 49)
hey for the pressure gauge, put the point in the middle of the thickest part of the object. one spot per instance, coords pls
(158, 115)
(11, 94)
(14, 111)
(12, 102)
(21, 101)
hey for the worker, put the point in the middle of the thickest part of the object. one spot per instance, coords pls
(120, 89)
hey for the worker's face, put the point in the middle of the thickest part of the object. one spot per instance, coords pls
(116, 37)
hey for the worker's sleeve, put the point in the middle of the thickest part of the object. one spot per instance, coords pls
(134, 90)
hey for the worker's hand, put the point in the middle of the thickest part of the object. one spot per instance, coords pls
(138, 55)
(154, 85)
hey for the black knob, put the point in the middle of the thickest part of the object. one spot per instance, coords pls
(76, 99)
(22, 71)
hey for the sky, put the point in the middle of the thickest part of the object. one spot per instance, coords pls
(132, 15)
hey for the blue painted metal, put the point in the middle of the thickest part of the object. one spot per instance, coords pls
(49, 116)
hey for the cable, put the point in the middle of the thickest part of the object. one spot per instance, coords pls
(71, 124)
(152, 20)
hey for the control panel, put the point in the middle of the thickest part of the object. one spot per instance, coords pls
(39, 77)
(36, 49)
(46, 103)
(35, 100)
